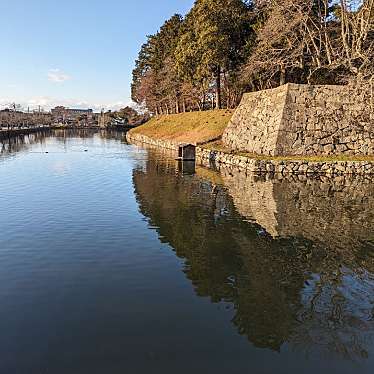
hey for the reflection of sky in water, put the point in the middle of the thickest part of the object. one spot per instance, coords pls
(60, 167)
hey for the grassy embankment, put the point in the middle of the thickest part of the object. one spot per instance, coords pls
(206, 127)
(191, 127)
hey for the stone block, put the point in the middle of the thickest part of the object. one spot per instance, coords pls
(267, 121)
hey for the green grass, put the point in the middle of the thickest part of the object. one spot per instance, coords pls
(218, 146)
(192, 127)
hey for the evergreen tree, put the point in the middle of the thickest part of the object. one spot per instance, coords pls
(151, 66)
(213, 42)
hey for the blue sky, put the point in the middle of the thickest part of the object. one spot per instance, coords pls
(75, 52)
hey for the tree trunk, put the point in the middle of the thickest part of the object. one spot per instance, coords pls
(282, 79)
(218, 89)
(184, 105)
(176, 106)
(203, 103)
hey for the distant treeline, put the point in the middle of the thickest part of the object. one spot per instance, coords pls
(16, 118)
(223, 48)
(125, 116)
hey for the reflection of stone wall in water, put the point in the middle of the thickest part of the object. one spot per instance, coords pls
(200, 223)
(283, 290)
(303, 120)
(337, 212)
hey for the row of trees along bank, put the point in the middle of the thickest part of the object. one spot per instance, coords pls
(14, 117)
(223, 48)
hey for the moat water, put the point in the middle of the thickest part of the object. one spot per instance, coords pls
(116, 259)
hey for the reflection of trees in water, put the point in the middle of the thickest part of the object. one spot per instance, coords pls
(17, 143)
(337, 314)
(89, 137)
(13, 144)
(66, 134)
(62, 134)
(296, 290)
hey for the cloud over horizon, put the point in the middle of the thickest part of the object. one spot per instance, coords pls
(57, 76)
(47, 103)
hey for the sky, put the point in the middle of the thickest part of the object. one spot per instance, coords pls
(76, 53)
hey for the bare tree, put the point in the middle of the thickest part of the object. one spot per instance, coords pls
(316, 41)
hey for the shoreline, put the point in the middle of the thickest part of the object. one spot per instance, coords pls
(211, 158)
(6, 133)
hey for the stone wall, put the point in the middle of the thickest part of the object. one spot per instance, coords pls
(303, 120)
(138, 138)
(207, 157)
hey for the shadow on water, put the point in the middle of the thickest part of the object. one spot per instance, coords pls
(295, 256)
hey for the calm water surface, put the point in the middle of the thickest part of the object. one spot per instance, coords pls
(115, 259)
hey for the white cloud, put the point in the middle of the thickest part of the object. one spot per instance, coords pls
(57, 76)
(48, 102)
(117, 105)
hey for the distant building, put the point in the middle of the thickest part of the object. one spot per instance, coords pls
(61, 114)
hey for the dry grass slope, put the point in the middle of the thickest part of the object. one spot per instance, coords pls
(192, 127)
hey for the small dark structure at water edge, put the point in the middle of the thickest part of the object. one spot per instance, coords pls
(187, 152)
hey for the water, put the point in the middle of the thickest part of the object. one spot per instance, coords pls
(115, 259)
